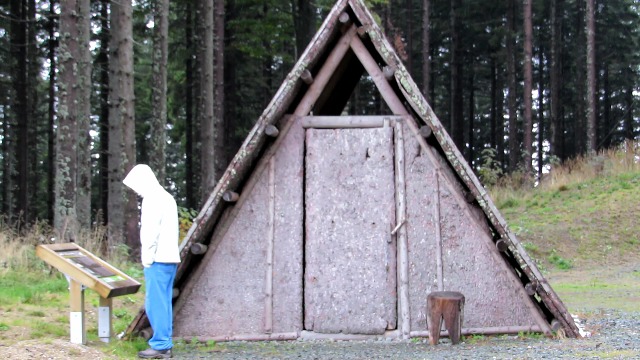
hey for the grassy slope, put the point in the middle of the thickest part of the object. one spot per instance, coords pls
(585, 236)
(594, 222)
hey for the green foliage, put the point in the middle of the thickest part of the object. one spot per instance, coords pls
(490, 170)
(530, 335)
(559, 261)
(4, 327)
(185, 218)
(474, 339)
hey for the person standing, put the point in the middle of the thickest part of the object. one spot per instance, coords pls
(160, 255)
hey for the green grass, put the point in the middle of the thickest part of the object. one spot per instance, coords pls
(34, 304)
(30, 287)
(594, 220)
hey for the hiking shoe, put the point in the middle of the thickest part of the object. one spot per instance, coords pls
(155, 354)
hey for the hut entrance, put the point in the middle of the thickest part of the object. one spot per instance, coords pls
(350, 276)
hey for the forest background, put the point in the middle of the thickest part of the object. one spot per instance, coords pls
(90, 88)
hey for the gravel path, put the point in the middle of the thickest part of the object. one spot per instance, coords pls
(614, 335)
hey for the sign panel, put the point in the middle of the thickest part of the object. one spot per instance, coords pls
(88, 269)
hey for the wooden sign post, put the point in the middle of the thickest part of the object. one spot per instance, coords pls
(83, 269)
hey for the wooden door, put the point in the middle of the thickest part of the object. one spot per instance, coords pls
(350, 254)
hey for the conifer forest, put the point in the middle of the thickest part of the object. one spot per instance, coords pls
(90, 88)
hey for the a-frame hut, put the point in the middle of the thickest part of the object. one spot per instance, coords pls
(330, 225)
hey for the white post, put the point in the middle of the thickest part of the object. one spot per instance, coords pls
(77, 330)
(104, 319)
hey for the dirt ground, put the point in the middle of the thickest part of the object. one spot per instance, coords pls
(56, 349)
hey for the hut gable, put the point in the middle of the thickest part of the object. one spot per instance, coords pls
(333, 225)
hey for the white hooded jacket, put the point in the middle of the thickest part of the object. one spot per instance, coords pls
(159, 232)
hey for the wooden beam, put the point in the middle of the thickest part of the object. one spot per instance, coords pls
(502, 245)
(242, 337)
(322, 78)
(436, 224)
(271, 131)
(425, 131)
(307, 77)
(268, 291)
(310, 335)
(388, 72)
(345, 122)
(371, 66)
(497, 330)
(344, 18)
(230, 196)
(531, 288)
(198, 248)
(146, 333)
(402, 240)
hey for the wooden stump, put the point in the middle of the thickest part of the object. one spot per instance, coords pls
(447, 305)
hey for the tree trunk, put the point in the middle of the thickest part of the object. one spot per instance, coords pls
(541, 126)
(304, 21)
(609, 123)
(20, 107)
(66, 186)
(220, 148)
(121, 127)
(556, 79)
(591, 78)
(514, 153)
(189, 86)
(409, 34)
(528, 89)
(206, 99)
(158, 122)
(52, 28)
(471, 116)
(426, 50)
(35, 170)
(579, 122)
(102, 62)
(456, 127)
(628, 118)
(83, 199)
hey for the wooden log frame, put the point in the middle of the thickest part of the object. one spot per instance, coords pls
(304, 107)
(349, 122)
(402, 237)
(412, 93)
(396, 106)
(310, 335)
(496, 330)
(268, 284)
(437, 222)
(242, 163)
(198, 248)
(230, 196)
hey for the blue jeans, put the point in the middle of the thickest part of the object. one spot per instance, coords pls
(158, 303)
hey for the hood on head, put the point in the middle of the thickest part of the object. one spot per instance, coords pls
(141, 179)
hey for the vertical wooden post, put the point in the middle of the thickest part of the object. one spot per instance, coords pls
(105, 328)
(77, 330)
(268, 304)
(403, 250)
(436, 220)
